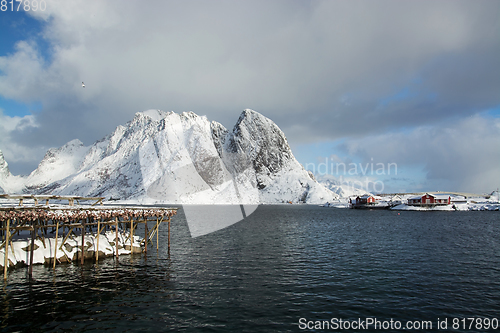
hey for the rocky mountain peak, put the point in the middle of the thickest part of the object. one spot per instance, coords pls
(263, 141)
(152, 114)
(165, 157)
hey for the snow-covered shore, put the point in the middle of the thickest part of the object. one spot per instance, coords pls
(19, 251)
(453, 207)
(400, 202)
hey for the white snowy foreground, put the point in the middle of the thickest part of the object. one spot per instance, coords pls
(455, 207)
(19, 251)
(109, 242)
(458, 203)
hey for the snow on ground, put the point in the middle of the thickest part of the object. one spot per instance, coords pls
(458, 203)
(339, 203)
(457, 207)
(19, 252)
(418, 208)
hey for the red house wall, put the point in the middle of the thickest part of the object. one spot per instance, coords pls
(428, 199)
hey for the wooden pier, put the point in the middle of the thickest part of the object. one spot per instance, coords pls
(94, 218)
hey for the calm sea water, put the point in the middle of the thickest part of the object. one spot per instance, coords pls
(282, 269)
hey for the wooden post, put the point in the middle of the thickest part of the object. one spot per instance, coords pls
(6, 255)
(131, 233)
(32, 249)
(98, 234)
(55, 250)
(157, 231)
(169, 235)
(146, 236)
(83, 240)
(116, 236)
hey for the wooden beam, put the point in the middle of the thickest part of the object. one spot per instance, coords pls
(131, 234)
(83, 241)
(98, 234)
(158, 221)
(146, 237)
(6, 253)
(66, 237)
(116, 236)
(55, 248)
(32, 249)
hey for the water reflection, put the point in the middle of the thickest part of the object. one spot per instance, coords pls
(264, 273)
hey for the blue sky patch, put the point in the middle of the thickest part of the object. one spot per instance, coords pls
(13, 108)
(17, 26)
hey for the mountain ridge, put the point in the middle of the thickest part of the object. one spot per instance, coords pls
(165, 157)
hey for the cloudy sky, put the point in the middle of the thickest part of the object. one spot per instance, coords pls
(356, 83)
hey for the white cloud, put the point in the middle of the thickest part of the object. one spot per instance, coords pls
(319, 69)
(13, 152)
(460, 156)
(276, 55)
(23, 73)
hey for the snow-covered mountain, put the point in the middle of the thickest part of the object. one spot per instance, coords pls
(181, 158)
(57, 164)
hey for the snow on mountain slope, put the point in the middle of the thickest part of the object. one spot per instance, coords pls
(8, 182)
(165, 157)
(57, 164)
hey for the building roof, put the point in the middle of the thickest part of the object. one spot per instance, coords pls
(440, 196)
